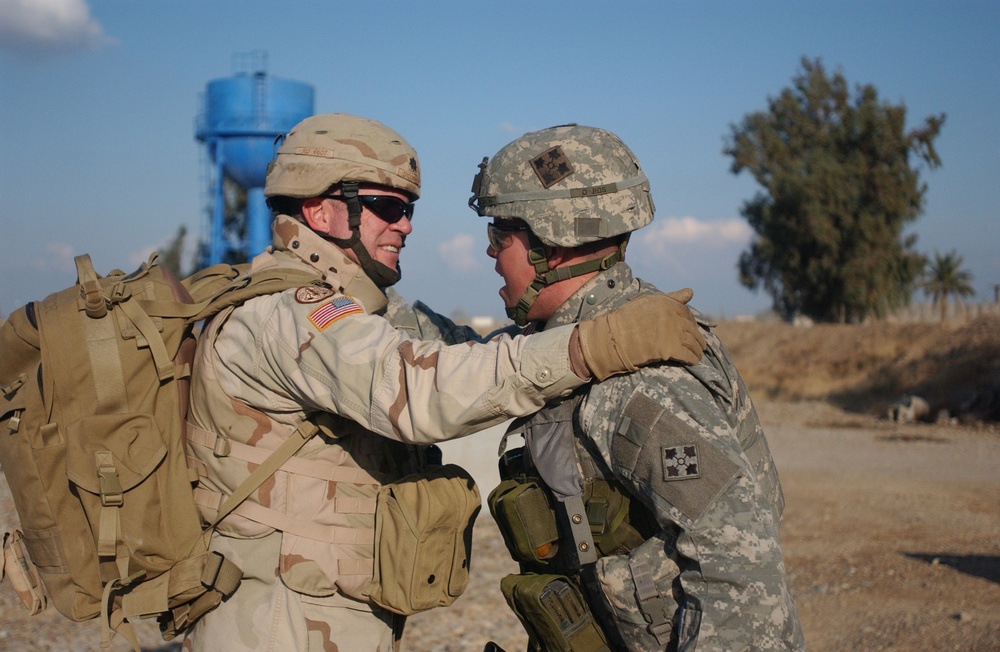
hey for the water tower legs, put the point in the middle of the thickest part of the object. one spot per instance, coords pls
(258, 222)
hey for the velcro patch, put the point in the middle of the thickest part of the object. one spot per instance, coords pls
(657, 447)
(333, 310)
(551, 166)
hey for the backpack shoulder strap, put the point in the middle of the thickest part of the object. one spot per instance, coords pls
(248, 285)
(205, 283)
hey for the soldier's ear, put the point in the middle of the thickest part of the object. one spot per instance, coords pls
(559, 256)
(317, 215)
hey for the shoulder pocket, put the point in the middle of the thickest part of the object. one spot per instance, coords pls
(679, 463)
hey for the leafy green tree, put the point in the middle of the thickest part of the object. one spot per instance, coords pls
(839, 186)
(234, 218)
(170, 256)
(234, 224)
(945, 277)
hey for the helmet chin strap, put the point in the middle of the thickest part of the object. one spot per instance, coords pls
(380, 274)
(544, 275)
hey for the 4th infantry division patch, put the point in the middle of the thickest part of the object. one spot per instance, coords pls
(551, 166)
(680, 462)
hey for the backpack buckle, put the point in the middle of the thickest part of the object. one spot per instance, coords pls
(223, 446)
(93, 299)
(15, 422)
(120, 292)
(14, 385)
(111, 488)
(213, 565)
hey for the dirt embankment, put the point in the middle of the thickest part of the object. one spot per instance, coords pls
(865, 368)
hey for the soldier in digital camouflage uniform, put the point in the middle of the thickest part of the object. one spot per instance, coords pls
(342, 189)
(678, 450)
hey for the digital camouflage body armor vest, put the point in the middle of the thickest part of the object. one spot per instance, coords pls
(560, 509)
(563, 511)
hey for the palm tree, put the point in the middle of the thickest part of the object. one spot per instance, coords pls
(945, 277)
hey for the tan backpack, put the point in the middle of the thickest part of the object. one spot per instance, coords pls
(94, 397)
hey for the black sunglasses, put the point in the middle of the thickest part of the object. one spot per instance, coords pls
(389, 209)
(498, 234)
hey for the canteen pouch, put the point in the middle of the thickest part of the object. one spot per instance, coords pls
(554, 613)
(423, 539)
(526, 520)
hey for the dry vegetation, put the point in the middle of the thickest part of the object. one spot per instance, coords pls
(864, 368)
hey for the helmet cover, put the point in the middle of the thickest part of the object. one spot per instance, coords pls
(327, 149)
(571, 184)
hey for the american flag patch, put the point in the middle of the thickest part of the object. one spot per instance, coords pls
(333, 310)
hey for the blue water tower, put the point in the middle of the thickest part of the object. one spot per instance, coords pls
(240, 118)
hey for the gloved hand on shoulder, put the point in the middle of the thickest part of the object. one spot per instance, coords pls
(648, 329)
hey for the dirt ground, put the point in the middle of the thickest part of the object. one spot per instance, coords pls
(891, 537)
(891, 533)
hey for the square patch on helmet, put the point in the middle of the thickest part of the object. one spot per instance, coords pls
(551, 166)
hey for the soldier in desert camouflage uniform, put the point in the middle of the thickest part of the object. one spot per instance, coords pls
(343, 189)
(668, 465)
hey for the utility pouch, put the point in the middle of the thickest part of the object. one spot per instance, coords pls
(23, 574)
(554, 613)
(526, 519)
(423, 540)
(608, 511)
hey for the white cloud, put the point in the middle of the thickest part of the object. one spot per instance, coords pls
(459, 253)
(509, 128)
(682, 249)
(49, 26)
(666, 234)
(137, 258)
(58, 257)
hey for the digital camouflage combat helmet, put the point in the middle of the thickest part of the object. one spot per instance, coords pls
(572, 185)
(336, 149)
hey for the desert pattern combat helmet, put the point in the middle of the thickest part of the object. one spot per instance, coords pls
(571, 184)
(327, 149)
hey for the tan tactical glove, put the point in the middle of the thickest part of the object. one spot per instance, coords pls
(651, 328)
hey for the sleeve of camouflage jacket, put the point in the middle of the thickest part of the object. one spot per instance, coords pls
(422, 323)
(673, 435)
(286, 356)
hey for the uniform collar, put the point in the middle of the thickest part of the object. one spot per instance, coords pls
(343, 274)
(593, 297)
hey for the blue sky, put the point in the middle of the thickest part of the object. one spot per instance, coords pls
(98, 102)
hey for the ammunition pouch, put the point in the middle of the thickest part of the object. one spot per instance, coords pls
(22, 572)
(525, 513)
(527, 521)
(554, 613)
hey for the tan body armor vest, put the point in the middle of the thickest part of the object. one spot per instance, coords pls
(322, 500)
